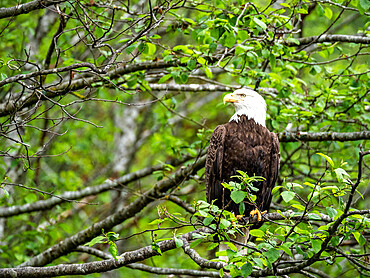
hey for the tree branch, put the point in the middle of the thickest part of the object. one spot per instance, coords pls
(174, 271)
(94, 267)
(198, 259)
(24, 76)
(87, 191)
(328, 38)
(12, 106)
(147, 268)
(323, 136)
(27, 7)
(69, 244)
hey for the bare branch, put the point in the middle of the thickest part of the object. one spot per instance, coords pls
(323, 136)
(174, 271)
(27, 7)
(12, 106)
(329, 38)
(198, 259)
(49, 71)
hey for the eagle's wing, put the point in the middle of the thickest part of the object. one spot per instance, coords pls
(272, 172)
(213, 167)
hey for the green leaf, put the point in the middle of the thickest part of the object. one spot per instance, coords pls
(3, 76)
(302, 11)
(241, 208)
(156, 221)
(130, 48)
(260, 23)
(246, 269)
(258, 262)
(272, 59)
(112, 236)
(113, 249)
(203, 213)
(208, 72)
(184, 76)
(196, 242)
(359, 237)
(316, 245)
(30, 198)
(328, 159)
(221, 272)
(257, 233)
(286, 250)
(98, 239)
(191, 64)
(208, 220)
(155, 37)
(321, 10)
(298, 206)
(212, 47)
(156, 248)
(285, 5)
(231, 246)
(363, 6)
(313, 216)
(164, 78)
(341, 174)
(229, 40)
(179, 242)
(201, 60)
(180, 48)
(300, 251)
(288, 196)
(328, 13)
(238, 196)
(272, 255)
(150, 48)
(331, 212)
(212, 246)
(224, 223)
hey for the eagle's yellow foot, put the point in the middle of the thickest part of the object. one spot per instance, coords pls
(258, 212)
(239, 217)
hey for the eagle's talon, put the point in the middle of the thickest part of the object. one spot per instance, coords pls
(258, 212)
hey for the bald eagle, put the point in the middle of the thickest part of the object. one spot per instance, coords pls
(244, 143)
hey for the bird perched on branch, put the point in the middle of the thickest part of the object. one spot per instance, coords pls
(245, 144)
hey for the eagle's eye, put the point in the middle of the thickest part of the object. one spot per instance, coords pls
(243, 95)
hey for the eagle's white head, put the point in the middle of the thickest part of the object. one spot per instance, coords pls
(247, 102)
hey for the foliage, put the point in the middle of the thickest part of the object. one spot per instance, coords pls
(106, 110)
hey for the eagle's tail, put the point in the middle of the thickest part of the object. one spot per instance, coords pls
(243, 239)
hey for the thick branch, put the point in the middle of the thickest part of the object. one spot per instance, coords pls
(147, 268)
(329, 38)
(93, 267)
(27, 7)
(69, 244)
(174, 271)
(86, 191)
(323, 136)
(204, 263)
(13, 106)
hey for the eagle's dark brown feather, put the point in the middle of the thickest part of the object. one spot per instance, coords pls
(246, 146)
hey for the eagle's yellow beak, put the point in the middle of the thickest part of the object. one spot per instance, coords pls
(230, 98)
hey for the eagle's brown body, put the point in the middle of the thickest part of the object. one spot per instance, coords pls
(246, 146)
